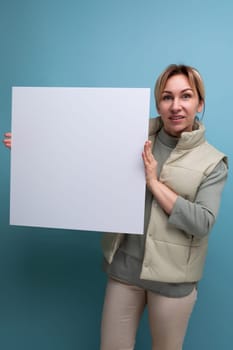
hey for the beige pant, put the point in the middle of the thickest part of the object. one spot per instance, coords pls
(123, 307)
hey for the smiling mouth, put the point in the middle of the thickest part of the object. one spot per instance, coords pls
(176, 117)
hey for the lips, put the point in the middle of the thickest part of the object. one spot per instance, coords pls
(176, 117)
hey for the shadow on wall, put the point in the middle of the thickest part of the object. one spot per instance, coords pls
(56, 259)
(52, 288)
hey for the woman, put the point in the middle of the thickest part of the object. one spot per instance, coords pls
(185, 176)
(161, 268)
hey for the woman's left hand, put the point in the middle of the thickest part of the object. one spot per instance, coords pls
(150, 164)
(8, 139)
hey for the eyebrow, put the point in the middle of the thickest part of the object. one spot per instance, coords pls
(170, 92)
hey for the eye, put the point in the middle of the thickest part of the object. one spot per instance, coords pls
(166, 97)
(186, 96)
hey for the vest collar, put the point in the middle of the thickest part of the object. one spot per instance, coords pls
(187, 140)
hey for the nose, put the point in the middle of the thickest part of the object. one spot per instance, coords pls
(176, 106)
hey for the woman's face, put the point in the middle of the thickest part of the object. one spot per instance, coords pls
(179, 105)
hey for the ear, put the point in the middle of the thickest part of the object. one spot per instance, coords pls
(200, 106)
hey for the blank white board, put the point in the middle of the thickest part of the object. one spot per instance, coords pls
(76, 158)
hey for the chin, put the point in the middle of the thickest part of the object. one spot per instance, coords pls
(179, 130)
(174, 132)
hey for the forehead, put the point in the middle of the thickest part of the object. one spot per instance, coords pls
(177, 82)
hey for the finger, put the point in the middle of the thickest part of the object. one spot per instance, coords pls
(7, 134)
(7, 143)
(148, 151)
(145, 160)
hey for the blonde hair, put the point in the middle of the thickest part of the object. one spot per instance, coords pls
(194, 78)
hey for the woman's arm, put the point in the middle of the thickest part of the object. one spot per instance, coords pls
(195, 218)
(8, 139)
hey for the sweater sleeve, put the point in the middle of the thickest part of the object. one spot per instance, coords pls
(197, 218)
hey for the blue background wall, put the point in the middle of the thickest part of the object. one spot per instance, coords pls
(51, 282)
